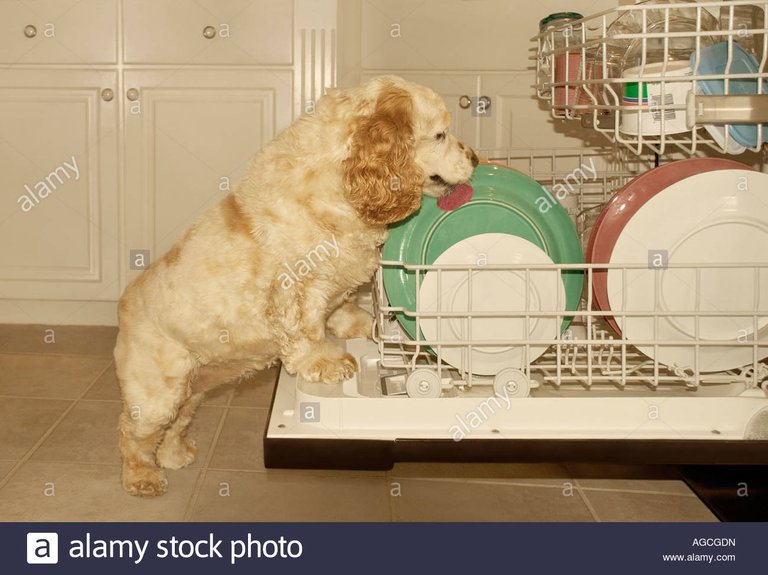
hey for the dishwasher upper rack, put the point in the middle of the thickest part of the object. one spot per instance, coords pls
(581, 74)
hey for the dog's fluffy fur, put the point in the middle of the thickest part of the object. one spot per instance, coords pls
(216, 305)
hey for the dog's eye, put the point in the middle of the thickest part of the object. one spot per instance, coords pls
(441, 136)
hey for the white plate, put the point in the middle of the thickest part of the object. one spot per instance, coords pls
(492, 291)
(710, 218)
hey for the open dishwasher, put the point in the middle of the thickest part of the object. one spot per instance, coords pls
(652, 348)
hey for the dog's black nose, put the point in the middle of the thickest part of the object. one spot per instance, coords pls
(473, 157)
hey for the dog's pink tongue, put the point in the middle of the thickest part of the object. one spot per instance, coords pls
(459, 195)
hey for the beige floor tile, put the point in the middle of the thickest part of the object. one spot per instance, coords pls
(625, 506)
(621, 471)
(68, 340)
(664, 486)
(646, 478)
(256, 391)
(460, 500)
(241, 442)
(89, 434)
(47, 491)
(24, 421)
(107, 387)
(532, 473)
(253, 496)
(218, 395)
(61, 377)
(5, 467)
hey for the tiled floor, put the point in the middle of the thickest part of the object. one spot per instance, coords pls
(59, 461)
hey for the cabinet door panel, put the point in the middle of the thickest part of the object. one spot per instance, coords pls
(479, 35)
(443, 35)
(58, 157)
(517, 119)
(59, 32)
(208, 32)
(189, 139)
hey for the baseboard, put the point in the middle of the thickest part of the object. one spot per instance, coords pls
(57, 312)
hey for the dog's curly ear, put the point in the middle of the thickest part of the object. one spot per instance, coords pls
(381, 179)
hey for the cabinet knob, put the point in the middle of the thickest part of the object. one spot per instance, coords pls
(30, 31)
(107, 94)
(465, 102)
(132, 94)
(209, 32)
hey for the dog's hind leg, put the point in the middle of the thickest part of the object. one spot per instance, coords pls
(176, 450)
(155, 385)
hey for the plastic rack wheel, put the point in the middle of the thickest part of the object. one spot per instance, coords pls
(511, 382)
(423, 383)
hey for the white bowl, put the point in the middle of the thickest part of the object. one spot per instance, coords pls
(659, 118)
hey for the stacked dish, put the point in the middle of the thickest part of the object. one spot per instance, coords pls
(655, 57)
(509, 222)
(684, 220)
(722, 59)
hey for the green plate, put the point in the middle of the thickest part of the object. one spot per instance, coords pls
(504, 201)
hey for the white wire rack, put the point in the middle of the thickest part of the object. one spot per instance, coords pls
(588, 355)
(662, 76)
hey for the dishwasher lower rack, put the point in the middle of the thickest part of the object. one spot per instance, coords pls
(592, 395)
(531, 344)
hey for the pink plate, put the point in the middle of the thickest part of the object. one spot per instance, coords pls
(623, 205)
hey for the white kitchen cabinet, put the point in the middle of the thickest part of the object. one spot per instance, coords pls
(58, 160)
(189, 136)
(445, 34)
(518, 120)
(256, 32)
(75, 32)
(162, 104)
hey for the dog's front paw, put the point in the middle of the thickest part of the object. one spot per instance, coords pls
(330, 369)
(349, 322)
(176, 453)
(144, 481)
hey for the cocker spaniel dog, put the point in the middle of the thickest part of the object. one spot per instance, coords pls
(263, 275)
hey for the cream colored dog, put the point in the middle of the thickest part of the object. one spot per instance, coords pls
(261, 276)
